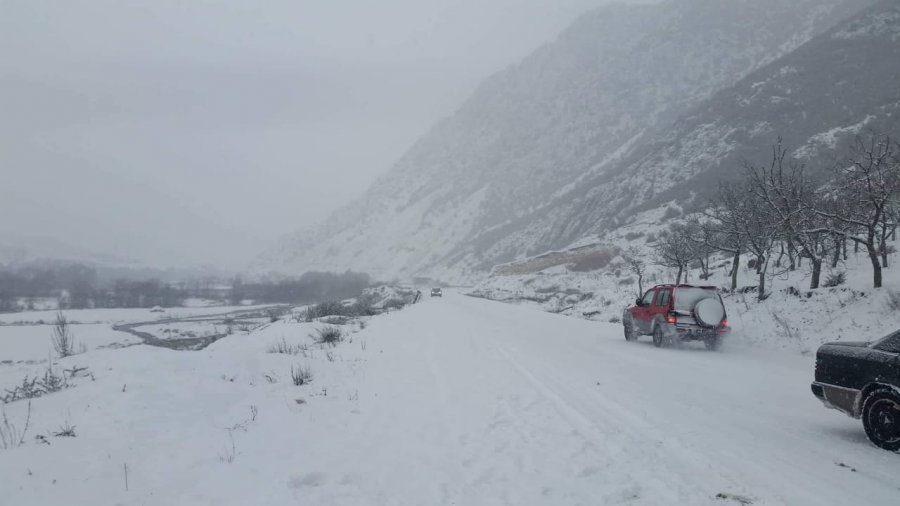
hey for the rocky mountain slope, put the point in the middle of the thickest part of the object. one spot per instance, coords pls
(528, 149)
(817, 98)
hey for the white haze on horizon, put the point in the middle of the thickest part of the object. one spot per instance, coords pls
(198, 132)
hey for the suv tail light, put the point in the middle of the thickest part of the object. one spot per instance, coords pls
(724, 322)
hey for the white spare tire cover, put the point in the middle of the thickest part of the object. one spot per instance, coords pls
(709, 312)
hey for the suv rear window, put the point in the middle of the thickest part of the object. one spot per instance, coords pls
(688, 297)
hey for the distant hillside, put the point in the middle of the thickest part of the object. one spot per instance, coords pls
(817, 98)
(551, 130)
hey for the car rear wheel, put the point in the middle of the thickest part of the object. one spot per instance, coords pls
(881, 419)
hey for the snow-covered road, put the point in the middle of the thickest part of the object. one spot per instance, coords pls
(453, 401)
(485, 403)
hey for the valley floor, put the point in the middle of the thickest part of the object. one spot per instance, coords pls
(452, 401)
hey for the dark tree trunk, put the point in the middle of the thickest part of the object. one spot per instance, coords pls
(816, 272)
(678, 279)
(761, 296)
(791, 259)
(873, 256)
(735, 264)
(837, 252)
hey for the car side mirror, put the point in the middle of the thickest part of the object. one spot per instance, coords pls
(638, 302)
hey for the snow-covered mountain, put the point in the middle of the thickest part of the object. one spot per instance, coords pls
(817, 98)
(514, 172)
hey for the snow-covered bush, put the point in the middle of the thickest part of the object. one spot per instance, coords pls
(63, 340)
(283, 347)
(38, 386)
(329, 335)
(835, 279)
(11, 436)
(301, 375)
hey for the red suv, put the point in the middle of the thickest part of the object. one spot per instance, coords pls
(675, 313)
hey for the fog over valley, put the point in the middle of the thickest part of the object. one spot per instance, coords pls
(197, 133)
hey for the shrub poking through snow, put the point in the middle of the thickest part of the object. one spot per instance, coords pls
(283, 347)
(65, 431)
(11, 436)
(330, 335)
(835, 279)
(394, 304)
(63, 340)
(38, 386)
(300, 375)
(328, 308)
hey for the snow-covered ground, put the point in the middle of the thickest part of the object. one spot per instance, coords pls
(117, 315)
(33, 342)
(452, 401)
(26, 336)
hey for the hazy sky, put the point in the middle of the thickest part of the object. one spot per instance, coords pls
(199, 131)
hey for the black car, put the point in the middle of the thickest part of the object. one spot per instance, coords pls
(863, 381)
(436, 292)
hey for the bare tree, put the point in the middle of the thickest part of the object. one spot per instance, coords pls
(760, 234)
(788, 192)
(700, 239)
(63, 340)
(867, 186)
(634, 259)
(724, 229)
(675, 250)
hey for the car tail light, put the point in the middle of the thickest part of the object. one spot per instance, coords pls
(725, 322)
(670, 318)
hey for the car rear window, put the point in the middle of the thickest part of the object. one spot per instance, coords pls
(688, 297)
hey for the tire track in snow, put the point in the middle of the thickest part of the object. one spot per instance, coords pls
(628, 433)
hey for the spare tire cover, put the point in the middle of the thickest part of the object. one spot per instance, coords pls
(709, 312)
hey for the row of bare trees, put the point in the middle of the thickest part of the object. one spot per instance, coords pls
(778, 214)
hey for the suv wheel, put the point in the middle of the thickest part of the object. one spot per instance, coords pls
(659, 339)
(881, 419)
(630, 332)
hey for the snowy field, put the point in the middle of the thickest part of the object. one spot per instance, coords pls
(31, 343)
(453, 401)
(26, 336)
(116, 315)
